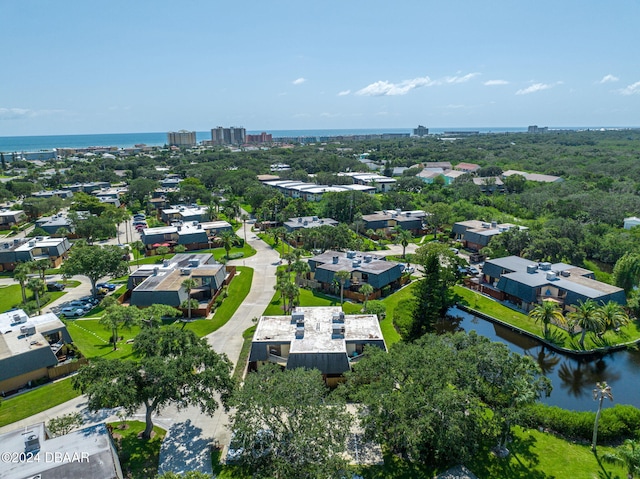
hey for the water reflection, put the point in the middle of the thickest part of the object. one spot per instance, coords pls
(572, 378)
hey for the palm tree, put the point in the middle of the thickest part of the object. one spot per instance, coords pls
(300, 268)
(626, 455)
(289, 258)
(42, 265)
(139, 247)
(188, 284)
(601, 391)
(587, 316)
(366, 289)
(613, 316)
(289, 292)
(342, 276)
(37, 286)
(244, 217)
(228, 240)
(547, 312)
(20, 274)
(403, 238)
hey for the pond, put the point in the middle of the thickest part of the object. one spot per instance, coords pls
(573, 378)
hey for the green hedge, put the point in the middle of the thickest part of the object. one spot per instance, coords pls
(616, 423)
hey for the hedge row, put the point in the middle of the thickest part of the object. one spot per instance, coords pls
(616, 423)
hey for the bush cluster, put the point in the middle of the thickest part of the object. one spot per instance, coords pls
(616, 424)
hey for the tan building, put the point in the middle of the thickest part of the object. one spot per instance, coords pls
(181, 138)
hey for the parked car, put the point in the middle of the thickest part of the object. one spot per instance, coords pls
(76, 303)
(109, 286)
(139, 222)
(71, 312)
(90, 300)
(139, 216)
(260, 447)
(55, 286)
(473, 271)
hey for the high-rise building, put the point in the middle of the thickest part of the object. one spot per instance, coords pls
(228, 136)
(261, 138)
(181, 138)
(420, 131)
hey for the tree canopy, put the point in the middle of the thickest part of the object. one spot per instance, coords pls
(95, 262)
(439, 399)
(173, 366)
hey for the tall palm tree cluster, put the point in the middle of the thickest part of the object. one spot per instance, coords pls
(290, 289)
(589, 317)
(36, 284)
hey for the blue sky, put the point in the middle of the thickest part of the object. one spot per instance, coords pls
(78, 66)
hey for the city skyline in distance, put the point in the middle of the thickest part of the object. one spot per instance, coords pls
(116, 67)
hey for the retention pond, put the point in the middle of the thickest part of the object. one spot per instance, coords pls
(573, 378)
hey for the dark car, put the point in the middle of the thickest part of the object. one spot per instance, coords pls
(109, 286)
(55, 286)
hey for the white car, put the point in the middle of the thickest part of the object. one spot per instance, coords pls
(72, 312)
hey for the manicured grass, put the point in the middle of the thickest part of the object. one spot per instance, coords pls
(29, 403)
(139, 458)
(537, 454)
(92, 339)
(71, 283)
(396, 300)
(244, 353)
(307, 298)
(238, 290)
(557, 336)
(11, 297)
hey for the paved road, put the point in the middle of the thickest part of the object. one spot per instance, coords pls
(190, 432)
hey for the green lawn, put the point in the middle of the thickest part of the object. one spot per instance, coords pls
(139, 458)
(30, 403)
(11, 296)
(238, 290)
(557, 336)
(541, 455)
(92, 339)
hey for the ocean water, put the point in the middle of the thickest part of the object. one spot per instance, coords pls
(9, 144)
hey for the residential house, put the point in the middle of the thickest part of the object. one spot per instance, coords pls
(363, 268)
(533, 176)
(387, 220)
(170, 182)
(526, 283)
(52, 224)
(631, 222)
(306, 222)
(32, 249)
(489, 184)
(192, 235)
(312, 191)
(30, 347)
(51, 193)
(88, 187)
(381, 183)
(185, 213)
(467, 167)
(476, 234)
(162, 284)
(88, 452)
(8, 218)
(322, 338)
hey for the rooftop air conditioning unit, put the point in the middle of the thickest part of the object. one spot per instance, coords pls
(195, 223)
(486, 225)
(565, 274)
(31, 443)
(300, 219)
(165, 263)
(356, 263)
(32, 244)
(315, 218)
(351, 254)
(28, 329)
(19, 318)
(194, 263)
(185, 271)
(335, 259)
(297, 317)
(545, 266)
(551, 276)
(305, 223)
(368, 258)
(532, 268)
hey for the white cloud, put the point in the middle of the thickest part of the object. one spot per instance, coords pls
(632, 89)
(344, 93)
(20, 113)
(462, 79)
(495, 82)
(299, 81)
(536, 87)
(385, 88)
(608, 79)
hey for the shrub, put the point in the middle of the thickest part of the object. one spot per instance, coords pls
(403, 318)
(616, 424)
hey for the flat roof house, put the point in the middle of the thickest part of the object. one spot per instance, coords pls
(305, 222)
(185, 213)
(89, 452)
(192, 235)
(363, 267)
(9, 218)
(526, 283)
(32, 249)
(162, 284)
(476, 234)
(323, 338)
(388, 219)
(29, 347)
